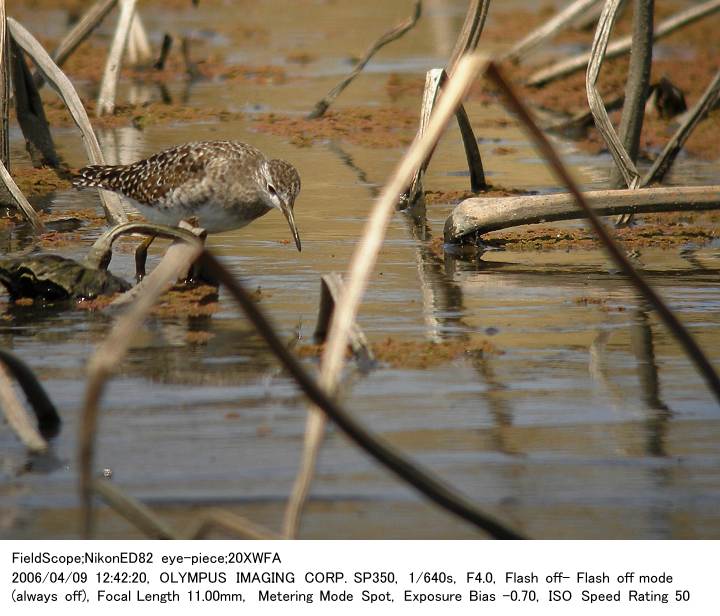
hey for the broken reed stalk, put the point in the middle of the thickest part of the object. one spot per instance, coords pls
(45, 412)
(693, 117)
(240, 527)
(4, 90)
(623, 45)
(20, 201)
(108, 85)
(470, 33)
(331, 289)
(366, 252)
(61, 84)
(30, 112)
(434, 80)
(545, 32)
(622, 158)
(139, 515)
(92, 18)
(412, 473)
(108, 356)
(17, 416)
(391, 35)
(637, 85)
(682, 335)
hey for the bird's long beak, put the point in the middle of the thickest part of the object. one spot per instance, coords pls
(287, 210)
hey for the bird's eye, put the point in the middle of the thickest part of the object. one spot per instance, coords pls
(271, 189)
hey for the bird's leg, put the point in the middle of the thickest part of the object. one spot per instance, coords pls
(141, 257)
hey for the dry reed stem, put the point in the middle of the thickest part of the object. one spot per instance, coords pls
(693, 117)
(62, 85)
(620, 155)
(682, 335)
(4, 90)
(391, 35)
(434, 80)
(623, 45)
(139, 515)
(108, 85)
(92, 18)
(413, 474)
(470, 33)
(239, 526)
(549, 29)
(20, 201)
(17, 416)
(108, 356)
(361, 265)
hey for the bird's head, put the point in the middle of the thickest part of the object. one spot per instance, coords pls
(282, 185)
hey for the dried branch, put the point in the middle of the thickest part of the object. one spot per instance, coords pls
(434, 80)
(139, 50)
(549, 29)
(391, 35)
(139, 515)
(362, 263)
(682, 335)
(108, 85)
(59, 81)
(108, 356)
(623, 45)
(470, 33)
(378, 448)
(623, 160)
(93, 17)
(479, 216)
(20, 201)
(693, 117)
(4, 90)
(331, 289)
(239, 526)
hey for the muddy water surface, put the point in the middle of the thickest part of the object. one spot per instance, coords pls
(586, 422)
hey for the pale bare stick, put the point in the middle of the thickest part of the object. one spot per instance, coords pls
(139, 515)
(240, 527)
(549, 29)
(681, 334)
(622, 46)
(17, 416)
(108, 85)
(391, 35)
(92, 18)
(365, 256)
(20, 201)
(110, 353)
(693, 117)
(62, 85)
(620, 155)
(477, 216)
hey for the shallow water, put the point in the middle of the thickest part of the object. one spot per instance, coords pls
(591, 423)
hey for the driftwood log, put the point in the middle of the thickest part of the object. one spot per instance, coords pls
(477, 216)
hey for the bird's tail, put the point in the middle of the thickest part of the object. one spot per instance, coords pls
(99, 176)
